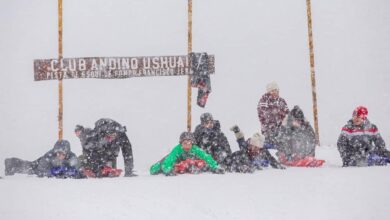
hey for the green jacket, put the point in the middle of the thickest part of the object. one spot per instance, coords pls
(166, 164)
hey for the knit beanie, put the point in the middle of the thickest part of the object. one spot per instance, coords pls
(360, 111)
(205, 117)
(257, 140)
(297, 113)
(186, 136)
(79, 128)
(62, 146)
(272, 86)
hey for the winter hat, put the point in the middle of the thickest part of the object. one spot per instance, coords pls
(360, 111)
(107, 125)
(62, 146)
(272, 86)
(186, 136)
(297, 113)
(78, 128)
(205, 117)
(257, 140)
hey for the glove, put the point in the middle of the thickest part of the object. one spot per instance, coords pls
(218, 170)
(170, 174)
(235, 129)
(237, 132)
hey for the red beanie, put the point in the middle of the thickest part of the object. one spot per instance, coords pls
(360, 111)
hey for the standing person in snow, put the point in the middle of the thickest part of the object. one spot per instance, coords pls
(209, 137)
(296, 141)
(186, 158)
(101, 148)
(360, 143)
(272, 109)
(58, 162)
(251, 156)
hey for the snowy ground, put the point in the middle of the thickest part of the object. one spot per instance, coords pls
(330, 192)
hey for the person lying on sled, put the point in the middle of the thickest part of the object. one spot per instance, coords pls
(251, 156)
(360, 143)
(186, 158)
(296, 141)
(59, 162)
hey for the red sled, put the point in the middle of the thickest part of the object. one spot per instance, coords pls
(189, 166)
(106, 171)
(110, 172)
(304, 162)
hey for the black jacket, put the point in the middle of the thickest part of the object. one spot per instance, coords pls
(100, 150)
(296, 142)
(213, 141)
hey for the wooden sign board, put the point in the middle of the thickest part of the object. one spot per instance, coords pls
(115, 67)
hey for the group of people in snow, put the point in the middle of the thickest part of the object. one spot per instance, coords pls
(100, 149)
(286, 131)
(359, 144)
(208, 149)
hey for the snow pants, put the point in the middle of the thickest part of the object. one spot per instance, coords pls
(16, 165)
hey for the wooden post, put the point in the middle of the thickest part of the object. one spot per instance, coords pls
(60, 104)
(312, 72)
(189, 91)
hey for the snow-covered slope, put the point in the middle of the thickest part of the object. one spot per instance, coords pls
(330, 192)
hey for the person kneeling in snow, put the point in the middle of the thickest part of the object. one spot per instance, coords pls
(251, 156)
(59, 162)
(360, 143)
(186, 158)
(101, 147)
(296, 141)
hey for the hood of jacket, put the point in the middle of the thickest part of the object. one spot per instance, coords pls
(62, 146)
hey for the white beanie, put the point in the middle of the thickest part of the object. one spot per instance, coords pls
(272, 86)
(257, 140)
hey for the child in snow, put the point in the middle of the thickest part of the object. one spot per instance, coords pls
(251, 156)
(360, 143)
(185, 158)
(58, 162)
(296, 141)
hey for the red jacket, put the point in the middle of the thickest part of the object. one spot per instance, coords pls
(271, 113)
